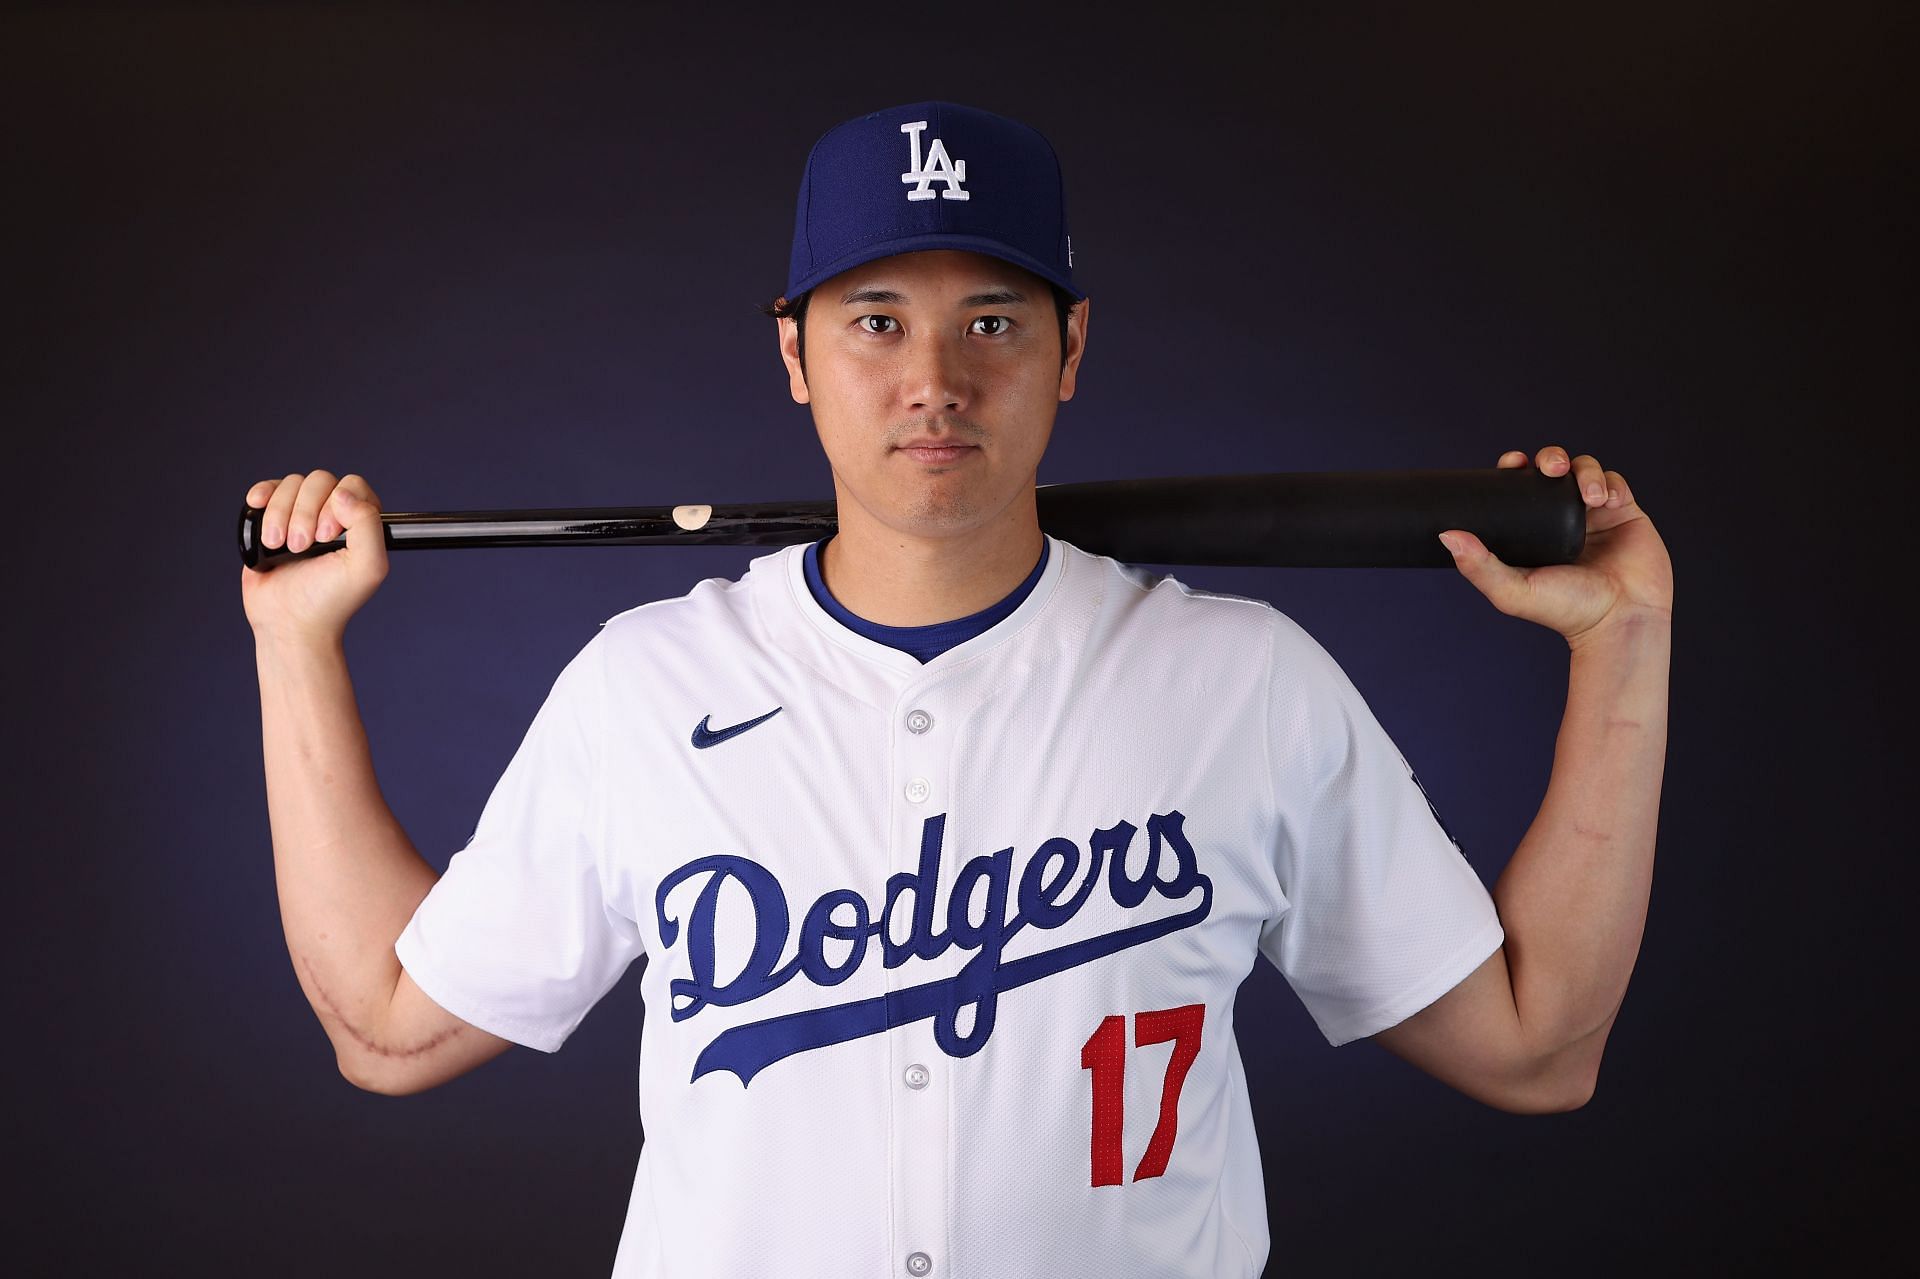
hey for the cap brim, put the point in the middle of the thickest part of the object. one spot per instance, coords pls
(921, 243)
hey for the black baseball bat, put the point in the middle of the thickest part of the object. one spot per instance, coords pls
(1300, 519)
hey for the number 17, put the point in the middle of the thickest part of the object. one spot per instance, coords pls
(1105, 1054)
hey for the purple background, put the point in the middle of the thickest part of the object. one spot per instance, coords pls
(496, 259)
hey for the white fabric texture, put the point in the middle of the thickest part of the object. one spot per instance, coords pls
(926, 945)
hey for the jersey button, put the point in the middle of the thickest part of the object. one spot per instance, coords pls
(919, 1263)
(917, 1076)
(918, 790)
(918, 721)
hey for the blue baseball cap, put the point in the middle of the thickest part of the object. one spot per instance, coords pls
(930, 175)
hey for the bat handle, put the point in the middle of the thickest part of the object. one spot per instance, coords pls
(261, 558)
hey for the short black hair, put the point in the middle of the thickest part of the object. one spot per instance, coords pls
(780, 308)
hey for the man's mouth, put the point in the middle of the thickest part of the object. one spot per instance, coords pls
(929, 452)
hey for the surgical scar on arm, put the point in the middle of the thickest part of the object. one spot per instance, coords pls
(362, 1037)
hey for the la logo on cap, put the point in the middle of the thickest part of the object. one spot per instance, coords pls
(939, 168)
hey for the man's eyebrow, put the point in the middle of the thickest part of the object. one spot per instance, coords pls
(891, 297)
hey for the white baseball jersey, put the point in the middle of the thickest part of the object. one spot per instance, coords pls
(942, 957)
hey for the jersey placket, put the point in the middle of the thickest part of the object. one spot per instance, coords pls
(919, 1073)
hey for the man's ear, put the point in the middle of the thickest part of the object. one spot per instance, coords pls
(789, 333)
(1076, 346)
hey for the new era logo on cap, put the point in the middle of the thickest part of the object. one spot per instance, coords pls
(930, 175)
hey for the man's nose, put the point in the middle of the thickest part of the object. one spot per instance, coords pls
(936, 374)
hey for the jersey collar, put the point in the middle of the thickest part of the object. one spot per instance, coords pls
(799, 622)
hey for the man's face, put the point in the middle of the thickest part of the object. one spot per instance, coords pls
(934, 378)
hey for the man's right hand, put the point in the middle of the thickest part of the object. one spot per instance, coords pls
(349, 878)
(313, 599)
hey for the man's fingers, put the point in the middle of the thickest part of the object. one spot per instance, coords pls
(273, 524)
(299, 510)
(314, 491)
(1618, 494)
(1511, 458)
(1588, 475)
(358, 487)
(327, 525)
(1502, 583)
(353, 499)
(360, 515)
(1591, 478)
(335, 514)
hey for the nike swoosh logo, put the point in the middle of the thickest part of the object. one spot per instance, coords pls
(704, 737)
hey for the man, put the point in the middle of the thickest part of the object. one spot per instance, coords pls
(949, 843)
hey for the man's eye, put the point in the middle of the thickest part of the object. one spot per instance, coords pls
(884, 319)
(1000, 320)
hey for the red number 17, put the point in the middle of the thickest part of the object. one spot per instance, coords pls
(1105, 1054)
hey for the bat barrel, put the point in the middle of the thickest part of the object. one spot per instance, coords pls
(1322, 519)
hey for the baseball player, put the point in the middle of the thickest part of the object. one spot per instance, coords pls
(948, 843)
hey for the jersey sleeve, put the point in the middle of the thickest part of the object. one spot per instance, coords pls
(519, 937)
(1383, 914)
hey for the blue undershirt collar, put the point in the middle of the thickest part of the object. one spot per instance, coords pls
(923, 643)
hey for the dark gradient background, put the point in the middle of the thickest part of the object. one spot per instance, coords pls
(501, 258)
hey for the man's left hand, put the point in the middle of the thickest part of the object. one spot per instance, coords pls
(1623, 567)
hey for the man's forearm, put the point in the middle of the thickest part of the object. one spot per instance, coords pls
(348, 876)
(1573, 899)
